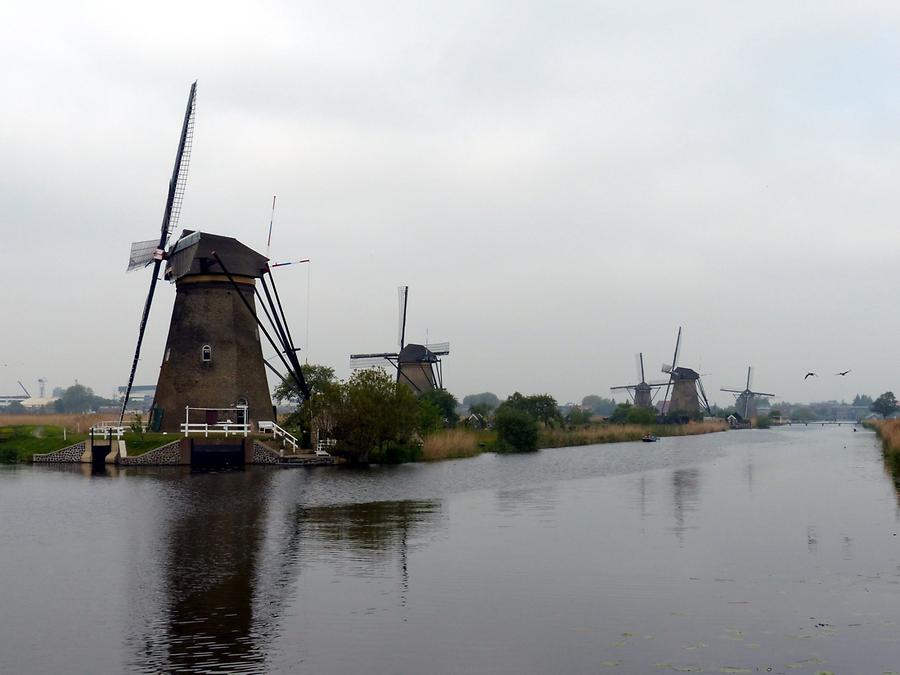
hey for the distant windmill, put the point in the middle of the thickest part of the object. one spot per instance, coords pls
(418, 366)
(641, 393)
(42, 384)
(688, 395)
(746, 399)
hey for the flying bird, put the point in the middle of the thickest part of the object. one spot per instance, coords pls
(843, 373)
(808, 374)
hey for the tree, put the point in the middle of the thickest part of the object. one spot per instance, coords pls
(541, 407)
(79, 399)
(317, 377)
(517, 431)
(579, 416)
(885, 405)
(446, 404)
(862, 400)
(625, 413)
(486, 398)
(599, 405)
(373, 416)
(315, 414)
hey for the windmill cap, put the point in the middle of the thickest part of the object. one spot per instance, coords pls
(413, 353)
(193, 254)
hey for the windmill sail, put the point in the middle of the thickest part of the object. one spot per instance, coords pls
(171, 213)
(141, 255)
(402, 294)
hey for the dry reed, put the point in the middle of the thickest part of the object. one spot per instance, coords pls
(617, 433)
(74, 422)
(889, 433)
(450, 444)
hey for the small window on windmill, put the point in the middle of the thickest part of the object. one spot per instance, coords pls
(206, 354)
(168, 353)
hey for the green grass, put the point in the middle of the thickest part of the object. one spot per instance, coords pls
(20, 443)
(138, 444)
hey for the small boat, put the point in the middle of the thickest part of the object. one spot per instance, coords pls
(649, 438)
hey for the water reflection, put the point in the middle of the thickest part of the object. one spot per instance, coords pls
(685, 497)
(227, 552)
(203, 580)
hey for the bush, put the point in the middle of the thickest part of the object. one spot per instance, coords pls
(517, 431)
(396, 453)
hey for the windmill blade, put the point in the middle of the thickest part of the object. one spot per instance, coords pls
(170, 217)
(677, 349)
(363, 362)
(402, 295)
(762, 393)
(142, 254)
(749, 377)
(623, 386)
(178, 182)
(732, 391)
(671, 369)
(703, 394)
(438, 348)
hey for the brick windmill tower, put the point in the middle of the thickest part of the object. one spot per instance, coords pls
(688, 395)
(213, 359)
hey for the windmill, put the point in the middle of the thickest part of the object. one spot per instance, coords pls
(418, 366)
(688, 395)
(745, 402)
(213, 359)
(641, 393)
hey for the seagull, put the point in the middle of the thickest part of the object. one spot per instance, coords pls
(843, 373)
(808, 374)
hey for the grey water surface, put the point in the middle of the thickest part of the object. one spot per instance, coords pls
(747, 551)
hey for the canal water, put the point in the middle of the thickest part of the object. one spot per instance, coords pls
(747, 551)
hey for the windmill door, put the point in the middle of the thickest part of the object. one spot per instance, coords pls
(212, 417)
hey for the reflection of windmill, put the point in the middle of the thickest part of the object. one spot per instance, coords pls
(641, 393)
(746, 399)
(688, 395)
(418, 366)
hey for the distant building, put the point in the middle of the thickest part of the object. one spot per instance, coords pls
(141, 397)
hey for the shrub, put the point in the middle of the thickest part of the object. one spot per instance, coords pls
(517, 431)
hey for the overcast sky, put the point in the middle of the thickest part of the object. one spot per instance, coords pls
(561, 184)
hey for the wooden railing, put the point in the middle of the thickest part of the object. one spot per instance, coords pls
(227, 428)
(287, 438)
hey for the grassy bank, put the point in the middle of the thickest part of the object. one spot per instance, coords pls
(889, 433)
(455, 443)
(617, 433)
(20, 442)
